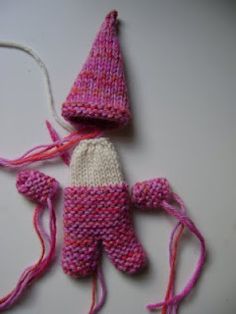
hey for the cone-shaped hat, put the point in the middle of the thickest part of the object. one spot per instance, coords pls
(99, 94)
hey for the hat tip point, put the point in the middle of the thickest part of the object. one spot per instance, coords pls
(112, 15)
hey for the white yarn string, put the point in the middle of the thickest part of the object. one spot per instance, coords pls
(29, 51)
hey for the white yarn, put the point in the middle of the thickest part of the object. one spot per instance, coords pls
(95, 162)
(29, 51)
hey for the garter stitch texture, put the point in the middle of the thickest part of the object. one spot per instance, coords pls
(151, 193)
(99, 94)
(97, 213)
(36, 186)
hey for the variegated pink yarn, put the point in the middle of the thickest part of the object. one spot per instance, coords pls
(97, 213)
(36, 186)
(150, 193)
(96, 217)
(156, 193)
(99, 94)
(41, 189)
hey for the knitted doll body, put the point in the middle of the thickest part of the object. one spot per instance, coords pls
(97, 213)
(97, 207)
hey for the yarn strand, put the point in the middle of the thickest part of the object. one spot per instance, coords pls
(65, 156)
(173, 256)
(45, 152)
(41, 64)
(33, 272)
(188, 223)
(102, 298)
(173, 248)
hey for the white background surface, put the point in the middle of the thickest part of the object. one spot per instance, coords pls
(180, 59)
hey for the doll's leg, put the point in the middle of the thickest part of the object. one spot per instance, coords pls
(80, 257)
(80, 252)
(124, 250)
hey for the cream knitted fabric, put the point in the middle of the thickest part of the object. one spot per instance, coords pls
(94, 163)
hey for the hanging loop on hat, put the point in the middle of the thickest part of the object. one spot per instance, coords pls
(30, 52)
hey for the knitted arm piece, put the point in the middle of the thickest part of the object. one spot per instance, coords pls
(151, 193)
(97, 213)
(36, 186)
(41, 189)
(157, 193)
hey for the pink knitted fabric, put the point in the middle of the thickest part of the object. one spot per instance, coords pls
(36, 186)
(99, 94)
(151, 193)
(95, 216)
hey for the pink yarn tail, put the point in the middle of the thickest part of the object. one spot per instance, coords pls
(33, 272)
(41, 189)
(179, 212)
(65, 156)
(100, 280)
(157, 193)
(46, 152)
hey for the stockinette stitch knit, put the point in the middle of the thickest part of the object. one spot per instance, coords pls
(99, 93)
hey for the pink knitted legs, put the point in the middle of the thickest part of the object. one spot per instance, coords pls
(124, 249)
(80, 255)
(94, 215)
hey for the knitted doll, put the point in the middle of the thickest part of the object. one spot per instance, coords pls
(97, 206)
(97, 212)
(97, 203)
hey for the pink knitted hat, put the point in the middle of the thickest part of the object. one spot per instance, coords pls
(99, 94)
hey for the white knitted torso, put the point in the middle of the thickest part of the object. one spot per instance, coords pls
(95, 162)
